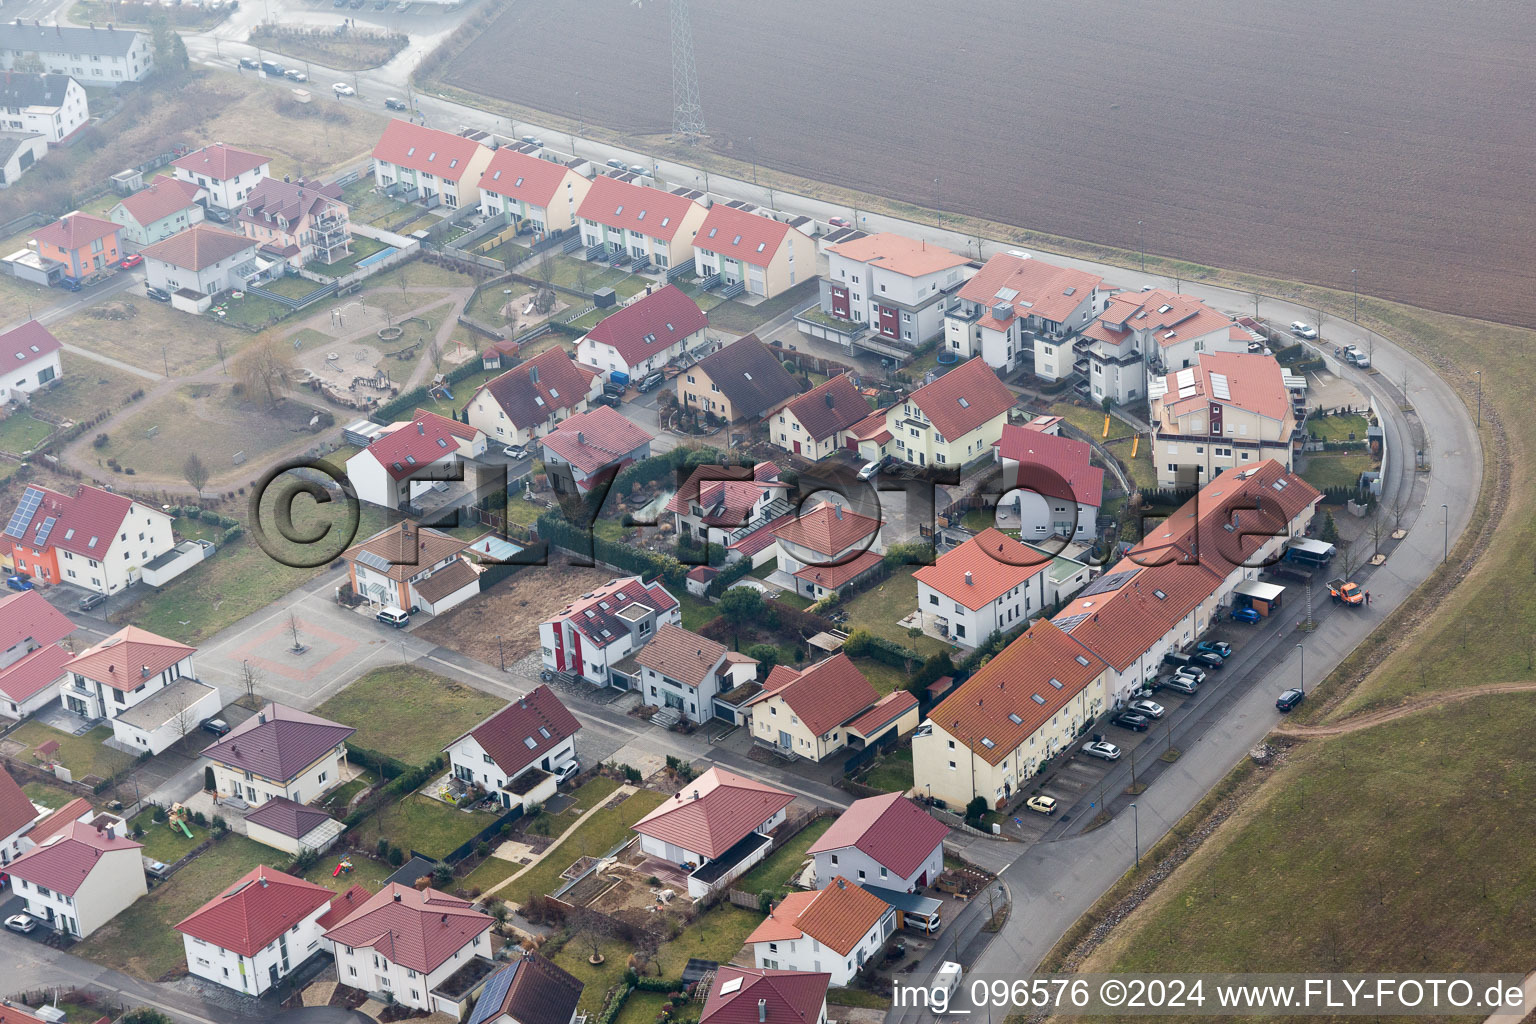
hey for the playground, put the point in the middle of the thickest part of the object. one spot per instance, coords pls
(515, 308)
(169, 834)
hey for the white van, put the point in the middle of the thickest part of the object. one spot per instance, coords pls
(397, 617)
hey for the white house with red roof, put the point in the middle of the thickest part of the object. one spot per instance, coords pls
(203, 261)
(886, 841)
(751, 247)
(746, 995)
(817, 423)
(643, 223)
(144, 684)
(32, 659)
(279, 752)
(409, 567)
(826, 548)
(29, 359)
(953, 421)
(532, 397)
(894, 285)
(716, 827)
(164, 207)
(683, 671)
(256, 932)
(540, 196)
(604, 626)
(406, 942)
(1147, 334)
(991, 583)
(228, 174)
(412, 455)
(17, 816)
(585, 445)
(1051, 483)
(1229, 409)
(717, 504)
(815, 712)
(514, 754)
(444, 168)
(1015, 303)
(94, 539)
(645, 335)
(81, 877)
(835, 929)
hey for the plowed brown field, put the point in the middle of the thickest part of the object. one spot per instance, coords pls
(1300, 138)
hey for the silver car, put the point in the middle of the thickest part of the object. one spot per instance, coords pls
(1190, 672)
(1150, 708)
(1182, 684)
(1102, 749)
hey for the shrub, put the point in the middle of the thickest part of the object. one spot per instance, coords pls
(483, 848)
(159, 816)
(200, 819)
(100, 441)
(396, 856)
(218, 824)
(975, 811)
(382, 849)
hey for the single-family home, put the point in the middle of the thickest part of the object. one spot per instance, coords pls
(100, 56)
(299, 222)
(259, 930)
(767, 255)
(896, 286)
(989, 737)
(532, 397)
(94, 539)
(540, 196)
(1229, 409)
(716, 504)
(604, 626)
(32, 659)
(515, 754)
(409, 567)
(52, 105)
(411, 456)
(228, 174)
(589, 444)
(743, 380)
(1146, 334)
(144, 684)
(29, 359)
(292, 827)
(642, 223)
(953, 421)
(279, 752)
(1051, 483)
(406, 942)
(745, 995)
(989, 584)
(717, 827)
(835, 930)
(202, 261)
(79, 878)
(828, 548)
(645, 335)
(19, 153)
(529, 990)
(434, 167)
(164, 207)
(83, 244)
(683, 671)
(1016, 303)
(815, 424)
(17, 816)
(815, 712)
(887, 841)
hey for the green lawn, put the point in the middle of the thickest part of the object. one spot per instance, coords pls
(83, 755)
(366, 871)
(641, 1008)
(697, 612)
(602, 832)
(882, 606)
(741, 318)
(857, 997)
(715, 935)
(163, 843)
(1336, 469)
(368, 206)
(570, 272)
(596, 980)
(407, 712)
(362, 248)
(884, 678)
(337, 799)
(44, 795)
(1337, 428)
(250, 310)
(774, 874)
(793, 600)
(292, 286)
(21, 432)
(892, 773)
(422, 824)
(1091, 421)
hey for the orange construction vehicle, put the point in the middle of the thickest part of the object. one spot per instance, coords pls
(1345, 592)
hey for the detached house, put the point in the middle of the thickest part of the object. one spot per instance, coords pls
(299, 222)
(644, 224)
(409, 567)
(82, 244)
(767, 255)
(835, 930)
(604, 626)
(716, 826)
(279, 752)
(515, 753)
(29, 359)
(144, 684)
(953, 421)
(529, 990)
(816, 712)
(531, 398)
(17, 816)
(645, 335)
(164, 207)
(1015, 303)
(1051, 483)
(718, 504)
(540, 196)
(815, 424)
(19, 153)
(683, 671)
(80, 877)
(1227, 410)
(98, 56)
(990, 584)
(31, 658)
(896, 286)
(578, 452)
(413, 455)
(202, 262)
(743, 380)
(228, 174)
(828, 548)
(51, 105)
(743, 995)
(94, 539)
(435, 167)
(887, 841)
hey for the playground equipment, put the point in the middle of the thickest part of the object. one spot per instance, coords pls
(343, 867)
(1135, 444)
(1106, 424)
(177, 818)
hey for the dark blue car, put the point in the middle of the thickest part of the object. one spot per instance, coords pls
(18, 583)
(1245, 615)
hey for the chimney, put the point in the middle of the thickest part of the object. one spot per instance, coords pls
(111, 668)
(421, 427)
(144, 672)
(837, 510)
(262, 881)
(969, 579)
(828, 397)
(695, 794)
(533, 374)
(581, 437)
(261, 718)
(842, 883)
(762, 1010)
(397, 897)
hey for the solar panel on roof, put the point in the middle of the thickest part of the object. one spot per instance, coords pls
(1219, 386)
(373, 561)
(1108, 582)
(1066, 624)
(44, 530)
(30, 500)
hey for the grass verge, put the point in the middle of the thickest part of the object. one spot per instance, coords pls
(407, 712)
(774, 874)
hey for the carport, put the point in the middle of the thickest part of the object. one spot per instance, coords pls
(1263, 598)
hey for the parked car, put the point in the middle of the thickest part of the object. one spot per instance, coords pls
(610, 400)
(651, 381)
(1102, 749)
(396, 617)
(1220, 647)
(295, 75)
(18, 583)
(251, 63)
(402, 6)
(1176, 659)
(1132, 720)
(1245, 615)
(640, 169)
(69, 284)
(1356, 357)
(356, 5)
(23, 923)
(515, 451)
(217, 726)
(1289, 699)
(615, 162)
(90, 601)
(1042, 803)
(158, 294)
(133, 259)
(1209, 659)
(567, 771)
(868, 470)
(530, 139)
(1191, 673)
(380, 5)
(1302, 329)
(1150, 708)
(616, 390)
(214, 213)
(838, 222)
(343, 89)
(1181, 684)
(394, 103)
(272, 68)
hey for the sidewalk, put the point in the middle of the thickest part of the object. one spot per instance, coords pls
(621, 791)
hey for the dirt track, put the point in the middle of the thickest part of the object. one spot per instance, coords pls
(1303, 139)
(1370, 719)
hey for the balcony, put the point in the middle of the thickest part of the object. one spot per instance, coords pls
(959, 315)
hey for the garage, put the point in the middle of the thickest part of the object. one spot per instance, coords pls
(1263, 598)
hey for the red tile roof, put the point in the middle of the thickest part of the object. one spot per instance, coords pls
(220, 162)
(1121, 624)
(520, 176)
(529, 990)
(530, 393)
(1249, 381)
(12, 1013)
(67, 860)
(739, 235)
(657, 323)
(288, 817)
(725, 502)
(407, 548)
(278, 742)
(291, 201)
(343, 903)
(427, 438)
(198, 247)
(824, 696)
(713, 812)
(1030, 287)
(128, 657)
(37, 671)
(899, 254)
(525, 730)
(834, 576)
(762, 537)
(160, 198)
(61, 819)
(832, 407)
(872, 428)
(837, 916)
(637, 208)
(885, 711)
(828, 529)
(680, 654)
(982, 569)
(1052, 465)
(596, 438)
(786, 997)
(963, 399)
(779, 925)
(30, 341)
(16, 810)
(419, 930)
(258, 907)
(29, 616)
(85, 523)
(426, 149)
(1174, 318)
(890, 828)
(596, 611)
(74, 230)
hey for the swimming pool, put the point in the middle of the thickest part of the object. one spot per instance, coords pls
(382, 254)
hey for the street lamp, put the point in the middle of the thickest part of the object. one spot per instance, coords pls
(936, 211)
(501, 652)
(1445, 512)
(1479, 398)
(752, 155)
(1303, 651)
(1142, 242)
(1354, 276)
(1136, 828)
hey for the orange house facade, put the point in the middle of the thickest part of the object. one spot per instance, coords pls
(82, 243)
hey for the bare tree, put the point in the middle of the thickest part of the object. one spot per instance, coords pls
(435, 353)
(249, 677)
(1257, 296)
(1378, 528)
(218, 348)
(1349, 558)
(195, 472)
(643, 950)
(293, 629)
(1322, 317)
(594, 930)
(545, 268)
(265, 369)
(183, 715)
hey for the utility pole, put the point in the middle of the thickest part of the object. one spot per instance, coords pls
(1136, 828)
(1445, 512)
(1355, 278)
(1303, 652)
(501, 651)
(1142, 232)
